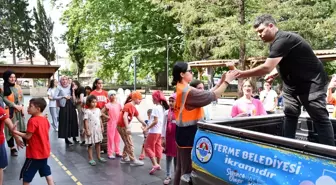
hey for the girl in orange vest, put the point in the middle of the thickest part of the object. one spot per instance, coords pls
(188, 111)
(13, 98)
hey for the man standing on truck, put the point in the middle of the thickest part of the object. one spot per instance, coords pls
(305, 81)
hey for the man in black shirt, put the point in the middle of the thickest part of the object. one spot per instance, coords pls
(305, 81)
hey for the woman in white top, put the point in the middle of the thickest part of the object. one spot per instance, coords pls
(52, 103)
(153, 146)
(269, 98)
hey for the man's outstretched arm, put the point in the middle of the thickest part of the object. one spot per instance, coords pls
(261, 70)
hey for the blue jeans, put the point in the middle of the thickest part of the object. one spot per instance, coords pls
(169, 161)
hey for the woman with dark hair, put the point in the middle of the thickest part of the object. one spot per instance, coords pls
(52, 103)
(188, 111)
(68, 122)
(102, 99)
(78, 92)
(13, 98)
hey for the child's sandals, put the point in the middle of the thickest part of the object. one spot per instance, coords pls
(92, 163)
(102, 160)
(167, 180)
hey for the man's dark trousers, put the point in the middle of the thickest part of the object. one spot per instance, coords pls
(315, 105)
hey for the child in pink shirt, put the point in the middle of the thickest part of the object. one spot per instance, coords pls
(113, 137)
(168, 139)
(247, 105)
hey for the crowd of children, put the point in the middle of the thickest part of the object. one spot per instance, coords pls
(158, 130)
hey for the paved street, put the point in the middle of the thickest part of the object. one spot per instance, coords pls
(70, 165)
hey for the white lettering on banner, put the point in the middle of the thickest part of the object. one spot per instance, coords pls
(227, 150)
(249, 168)
(235, 177)
(275, 163)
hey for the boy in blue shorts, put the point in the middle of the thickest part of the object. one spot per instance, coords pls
(5, 120)
(38, 145)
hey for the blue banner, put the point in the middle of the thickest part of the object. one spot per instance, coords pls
(245, 163)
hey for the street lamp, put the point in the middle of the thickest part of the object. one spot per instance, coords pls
(134, 63)
(167, 57)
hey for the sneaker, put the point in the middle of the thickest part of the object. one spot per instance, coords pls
(125, 161)
(111, 157)
(154, 169)
(118, 155)
(137, 163)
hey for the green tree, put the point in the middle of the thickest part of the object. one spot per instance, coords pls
(117, 30)
(13, 15)
(44, 28)
(74, 38)
(27, 36)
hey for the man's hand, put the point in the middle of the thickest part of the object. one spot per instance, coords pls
(271, 76)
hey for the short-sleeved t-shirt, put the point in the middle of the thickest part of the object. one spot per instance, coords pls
(38, 146)
(3, 117)
(301, 71)
(102, 98)
(158, 112)
(255, 107)
(268, 99)
(51, 92)
(132, 111)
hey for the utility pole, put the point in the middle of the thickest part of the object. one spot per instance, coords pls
(134, 63)
(167, 63)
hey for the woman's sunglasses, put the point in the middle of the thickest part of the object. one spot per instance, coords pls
(190, 71)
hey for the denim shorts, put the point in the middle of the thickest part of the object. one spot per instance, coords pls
(3, 156)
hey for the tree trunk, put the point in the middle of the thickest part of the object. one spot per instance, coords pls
(30, 54)
(13, 50)
(242, 48)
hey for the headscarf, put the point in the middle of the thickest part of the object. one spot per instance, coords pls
(111, 92)
(173, 96)
(136, 95)
(7, 84)
(158, 96)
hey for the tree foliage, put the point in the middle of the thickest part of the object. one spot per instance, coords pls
(113, 31)
(74, 37)
(44, 28)
(116, 30)
(15, 28)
